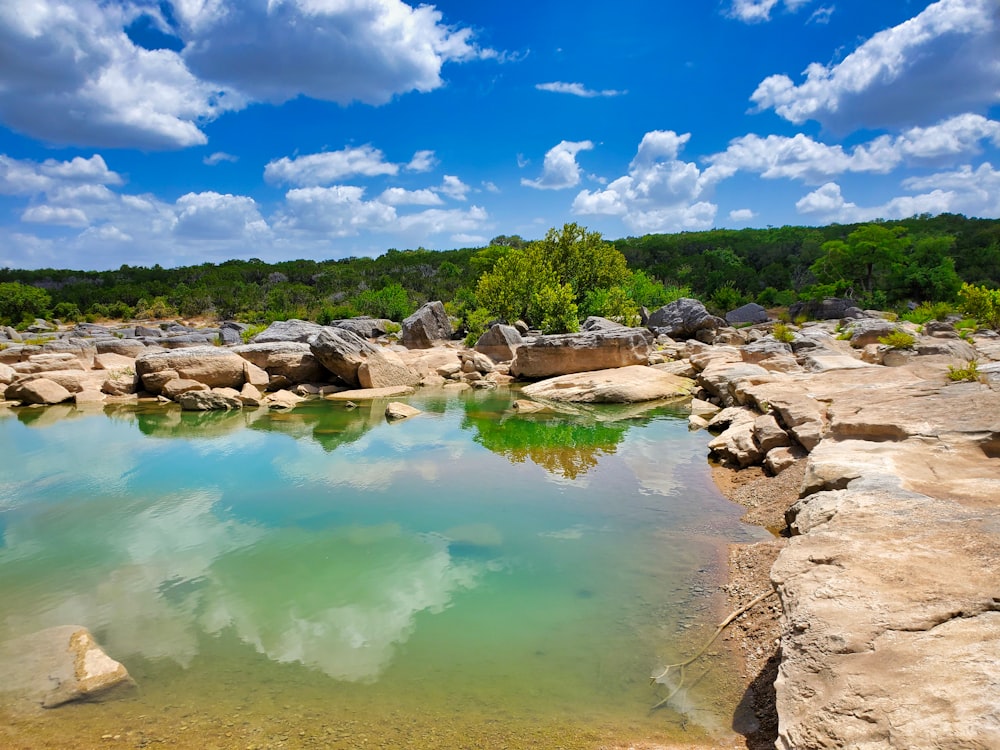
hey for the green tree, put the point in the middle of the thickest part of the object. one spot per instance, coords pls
(22, 302)
(867, 255)
(390, 302)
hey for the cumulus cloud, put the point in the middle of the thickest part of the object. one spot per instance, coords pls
(73, 76)
(560, 169)
(973, 192)
(211, 215)
(70, 217)
(338, 211)
(329, 166)
(365, 50)
(453, 187)
(660, 193)
(944, 60)
(401, 197)
(803, 158)
(576, 89)
(422, 161)
(741, 214)
(756, 11)
(26, 177)
(441, 221)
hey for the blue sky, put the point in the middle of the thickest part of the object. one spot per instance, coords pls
(188, 131)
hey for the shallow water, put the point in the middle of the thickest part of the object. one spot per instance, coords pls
(467, 577)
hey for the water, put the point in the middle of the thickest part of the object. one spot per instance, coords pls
(468, 577)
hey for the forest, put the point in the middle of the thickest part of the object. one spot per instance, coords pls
(552, 283)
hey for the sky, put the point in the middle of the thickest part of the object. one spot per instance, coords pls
(181, 132)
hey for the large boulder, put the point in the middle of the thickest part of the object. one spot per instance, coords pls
(750, 313)
(597, 323)
(365, 327)
(622, 385)
(561, 354)
(41, 391)
(208, 401)
(288, 330)
(831, 308)
(48, 362)
(383, 369)
(211, 365)
(288, 359)
(341, 352)
(499, 342)
(125, 347)
(56, 666)
(683, 319)
(428, 324)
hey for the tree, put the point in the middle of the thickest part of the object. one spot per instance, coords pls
(866, 257)
(21, 302)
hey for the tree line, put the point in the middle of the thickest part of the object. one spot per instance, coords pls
(551, 283)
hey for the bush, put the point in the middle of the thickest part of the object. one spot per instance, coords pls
(928, 311)
(390, 302)
(67, 312)
(22, 302)
(969, 373)
(250, 331)
(981, 303)
(476, 322)
(898, 340)
(783, 333)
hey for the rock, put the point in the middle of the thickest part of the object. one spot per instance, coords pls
(172, 389)
(697, 423)
(621, 385)
(779, 459)
(736, 445)
(230, 336)
(120, 383)
(208, 401)
(148, 332)
(396, 410)
(282, 400)
(11, 334)
(768, 435)
(370, 394)
(597, 323)
(125, 347)
(499, 342)
(703, 408)
(7, 374)
(111, 362)
(384, 368)
(831, 308)
(730, 416)
(725, 337)
(363, 326)
(48, 362)
(764, 348)
(866, 331)
(523, 406)
(803, 416)
(726, 380)
(955, 348)
(824, 361)
(562, 354)
(88, 396)
(73, 381)
(300, 331)
(473, 361)
(341, 352)
(40, 391)
(256, 376)
(428, 324)
(187, 341)
(292, 360)
(750, 313)
(250, 396)
(57, 666)
(211, 365)
(682, 319)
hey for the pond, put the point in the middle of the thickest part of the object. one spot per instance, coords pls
(469, 577)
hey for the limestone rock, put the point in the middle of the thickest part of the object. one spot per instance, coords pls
(523, 406)
(736, 445)
(208, 401)
(779, 459)
(866, 331)
(211, 365)
(363, 326)
(341, 352)
(749, 313)
(768, 434)
(125, 347)
(597, 323)
(370, 394)
(831, 308)
(384, 368)
(300, 331)
(683, 319)
(499, 342)
(48, 362)
(7, 374)
(292, 360)
(111, 361)
(428, 324)
(256, 376)
(397, 410)
(73, 381)
(697, 423)
(59, 665)
(250, 396)
(282, 400)
(40, 391)
(174, 388)
(562, 354)
(621, 385)
(703, 408)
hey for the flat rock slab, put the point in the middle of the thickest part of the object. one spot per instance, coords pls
(370, 394)
(56, 666)
(622, 385)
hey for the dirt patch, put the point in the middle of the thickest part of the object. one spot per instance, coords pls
(754, 637)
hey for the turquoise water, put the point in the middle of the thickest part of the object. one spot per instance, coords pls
(467, 563)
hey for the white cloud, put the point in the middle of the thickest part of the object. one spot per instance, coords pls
(560, 169)
(822, 14)
(364, 50)
(70, 217)
(25, 177)
(756, 11)
(422, 161)
(338, 211)
(741, 214)
(942, 61)
(490, 187)
(218, 157)
(454, 187)
(660, 193)
(329, 166)
(211, 216)
(73, 76)
(803, 158)
(402, 197)
(576, 89)
(470, 240)
(440, 221)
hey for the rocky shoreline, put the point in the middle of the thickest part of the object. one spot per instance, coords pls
(878, 473)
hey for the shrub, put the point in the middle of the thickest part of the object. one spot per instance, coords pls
(250, 331)
(969, 373)
(783, 333)
(22, 302)
(898, 340)
(981, 303)
(476, 322)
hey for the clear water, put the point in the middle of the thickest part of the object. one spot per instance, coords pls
(321, 575)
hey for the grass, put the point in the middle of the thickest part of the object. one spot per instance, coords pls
(783, 333)
(969, 373)
(251, 331)
(897, 340)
